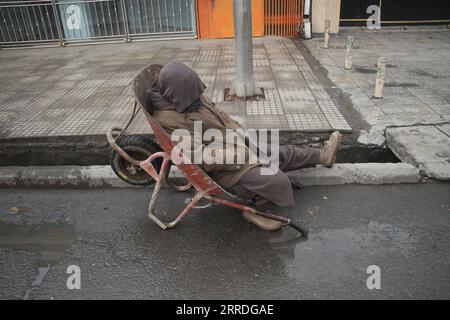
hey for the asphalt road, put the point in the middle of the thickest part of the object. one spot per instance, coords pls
(215, 254)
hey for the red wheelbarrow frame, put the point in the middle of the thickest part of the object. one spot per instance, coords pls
(206, 188)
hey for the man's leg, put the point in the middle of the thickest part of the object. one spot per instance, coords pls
(262, 189)
(266, 192)
(277, 188)
(294, 158)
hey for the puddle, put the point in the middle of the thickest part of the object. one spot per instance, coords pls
(49, 241)
(328, 249)
(284, 242)
(287, 236)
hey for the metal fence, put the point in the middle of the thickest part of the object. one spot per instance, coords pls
(282, 17)
(30, 22)
(165, 17)
(91, 20)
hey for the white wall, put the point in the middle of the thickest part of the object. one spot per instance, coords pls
(322, 10)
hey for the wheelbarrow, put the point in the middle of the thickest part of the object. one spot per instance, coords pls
(142, 161)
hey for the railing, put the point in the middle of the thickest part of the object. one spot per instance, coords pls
(282, 17)
(30, 22)
(91, 20)
(161, 17)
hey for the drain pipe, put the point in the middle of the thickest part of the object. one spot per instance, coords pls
(307, 21)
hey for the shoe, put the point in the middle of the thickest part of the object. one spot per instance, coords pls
(329, 150)
(262, 222)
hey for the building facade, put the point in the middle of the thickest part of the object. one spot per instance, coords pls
(389, 13)
(65, 22)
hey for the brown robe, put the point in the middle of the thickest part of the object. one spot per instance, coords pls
(226, 175)
(177, 101)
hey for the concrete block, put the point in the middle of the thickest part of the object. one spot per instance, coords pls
(426, 147)
(374, 137)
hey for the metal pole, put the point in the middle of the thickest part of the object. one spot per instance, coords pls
(125, 21)
(58, 25)
(244, 84)
(381, 75)
(348, 53)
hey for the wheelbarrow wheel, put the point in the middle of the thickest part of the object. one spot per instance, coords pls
(139, 148)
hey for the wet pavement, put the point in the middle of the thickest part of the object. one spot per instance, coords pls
(214, 253)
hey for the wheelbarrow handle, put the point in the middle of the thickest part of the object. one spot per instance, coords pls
(303, 230)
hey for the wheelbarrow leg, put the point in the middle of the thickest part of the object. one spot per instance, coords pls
(160, 178)
(151, 206)
(186, 210)
(181, 215)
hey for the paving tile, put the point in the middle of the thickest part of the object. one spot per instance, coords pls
(76, 91)
(307, 121)
(417, 85)
(265, 122)
(301, 106)
(427, 147)
(442, 109)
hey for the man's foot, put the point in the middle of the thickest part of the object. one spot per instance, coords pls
(329, 149)
(262, 222)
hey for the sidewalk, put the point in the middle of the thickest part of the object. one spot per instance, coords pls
(85, 90)
(416, 93)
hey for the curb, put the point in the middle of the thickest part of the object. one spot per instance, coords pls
(104, 177)
(357, 173)
(60, 176)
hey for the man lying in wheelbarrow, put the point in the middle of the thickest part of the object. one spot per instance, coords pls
(177, 101)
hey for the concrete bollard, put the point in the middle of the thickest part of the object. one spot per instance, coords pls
(326, 38)
(381, 75)
(348, 53)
